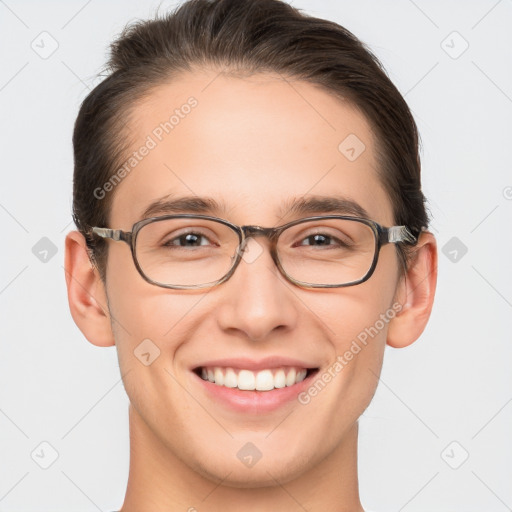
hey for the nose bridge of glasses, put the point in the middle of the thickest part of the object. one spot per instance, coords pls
(254, 252)
(254, 231)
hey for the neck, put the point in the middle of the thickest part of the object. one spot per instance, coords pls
(159, 481)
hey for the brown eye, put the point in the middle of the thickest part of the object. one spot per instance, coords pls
(190, 239)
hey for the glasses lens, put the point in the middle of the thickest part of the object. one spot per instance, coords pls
(185, 251)
(327, 251)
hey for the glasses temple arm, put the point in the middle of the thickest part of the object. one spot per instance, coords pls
(114, 234)
(399, 234)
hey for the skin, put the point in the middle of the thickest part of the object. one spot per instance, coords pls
(253, 142)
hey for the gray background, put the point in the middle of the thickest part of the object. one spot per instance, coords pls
(445, 398)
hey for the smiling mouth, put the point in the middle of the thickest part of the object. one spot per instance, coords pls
(248, 380)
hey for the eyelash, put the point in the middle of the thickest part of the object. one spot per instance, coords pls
(331, 237)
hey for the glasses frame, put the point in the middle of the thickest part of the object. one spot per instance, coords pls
(382, 235)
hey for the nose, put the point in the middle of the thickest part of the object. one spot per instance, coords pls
(257, 299)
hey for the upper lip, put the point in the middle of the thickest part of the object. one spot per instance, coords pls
(269, 362)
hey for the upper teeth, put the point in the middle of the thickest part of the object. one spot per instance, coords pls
(264, 380)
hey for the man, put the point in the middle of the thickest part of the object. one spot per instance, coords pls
(248, 359)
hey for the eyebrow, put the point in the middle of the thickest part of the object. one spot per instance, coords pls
(310, 205)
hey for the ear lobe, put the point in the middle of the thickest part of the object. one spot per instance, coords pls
(416, 294)
(86, 293)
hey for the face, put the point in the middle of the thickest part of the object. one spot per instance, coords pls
(253, 144)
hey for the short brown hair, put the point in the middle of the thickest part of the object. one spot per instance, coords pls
(240, 37)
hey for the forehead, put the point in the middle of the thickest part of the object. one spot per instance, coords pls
(253, 143)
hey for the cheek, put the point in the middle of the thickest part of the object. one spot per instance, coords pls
(341, 392)
(357, 319)
(145, 317)
(149, 328)
(360, 328)
(359, 316)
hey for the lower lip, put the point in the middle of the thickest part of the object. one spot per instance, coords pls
(254, 401)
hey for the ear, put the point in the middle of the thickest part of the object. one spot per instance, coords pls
(415, 293)
(86, 293)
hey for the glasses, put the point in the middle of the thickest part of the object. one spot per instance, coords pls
(189, 251)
